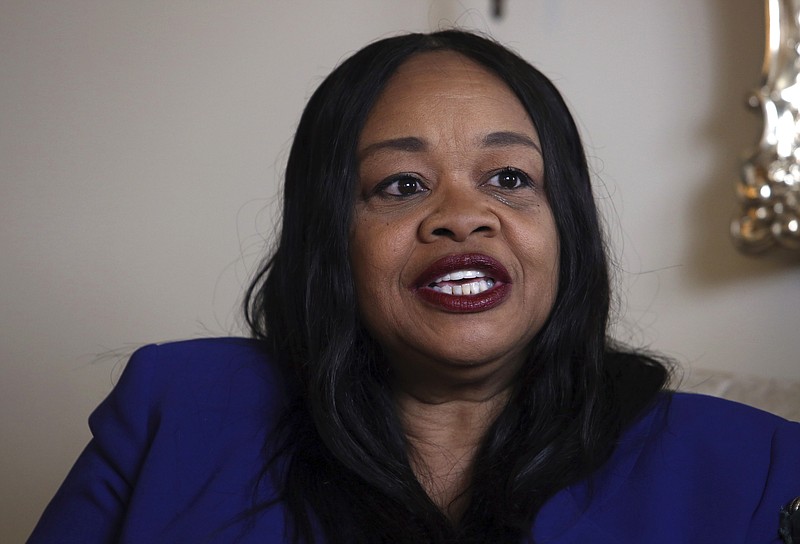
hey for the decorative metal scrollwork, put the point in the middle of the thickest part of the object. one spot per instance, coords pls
(769, 189)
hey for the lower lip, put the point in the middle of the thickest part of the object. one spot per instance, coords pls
(466, 304)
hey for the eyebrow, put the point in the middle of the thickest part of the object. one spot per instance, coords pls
(412, 144)
(509, 139)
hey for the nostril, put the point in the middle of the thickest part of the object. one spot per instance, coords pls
(483, 229)
(442, 232)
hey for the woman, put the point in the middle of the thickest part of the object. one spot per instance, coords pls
(430, 360)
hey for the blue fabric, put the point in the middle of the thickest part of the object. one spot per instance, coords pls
(179, 442)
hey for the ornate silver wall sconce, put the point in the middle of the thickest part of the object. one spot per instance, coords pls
(769, 189)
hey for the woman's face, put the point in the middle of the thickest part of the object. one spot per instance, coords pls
(454, 249)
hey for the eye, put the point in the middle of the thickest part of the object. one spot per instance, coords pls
(402, 185)
(509, 178)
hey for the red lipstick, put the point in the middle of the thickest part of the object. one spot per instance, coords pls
(494, 272)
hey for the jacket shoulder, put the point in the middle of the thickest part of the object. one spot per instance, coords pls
(209, 370)
(733, 464)
(693, 468)
(716, 437)
(705, 410)
(178, 446)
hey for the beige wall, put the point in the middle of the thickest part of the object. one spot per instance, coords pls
(141, 144)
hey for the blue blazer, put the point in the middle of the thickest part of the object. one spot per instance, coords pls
(178, 443)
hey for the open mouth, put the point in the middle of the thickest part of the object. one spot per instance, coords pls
(465, 283)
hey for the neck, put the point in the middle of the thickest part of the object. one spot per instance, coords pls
(444, 434)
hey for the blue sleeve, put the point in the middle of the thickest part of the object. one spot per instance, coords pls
(781, 486)
(90, 505)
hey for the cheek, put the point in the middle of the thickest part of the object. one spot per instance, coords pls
(375, 299)
(370, 259)
(553, 265)
(377, 257)
(541, 258)
(379, 247)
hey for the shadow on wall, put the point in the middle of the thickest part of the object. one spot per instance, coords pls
(732, 129)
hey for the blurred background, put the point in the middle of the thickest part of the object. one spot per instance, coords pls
(142, 143)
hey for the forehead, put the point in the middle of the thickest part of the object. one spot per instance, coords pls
(445, 90)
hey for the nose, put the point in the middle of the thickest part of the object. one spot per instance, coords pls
(457, 214)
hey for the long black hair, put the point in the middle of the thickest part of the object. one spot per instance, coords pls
(343, 469)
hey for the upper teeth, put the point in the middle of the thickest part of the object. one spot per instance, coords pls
(469, 288)
(460, 275)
